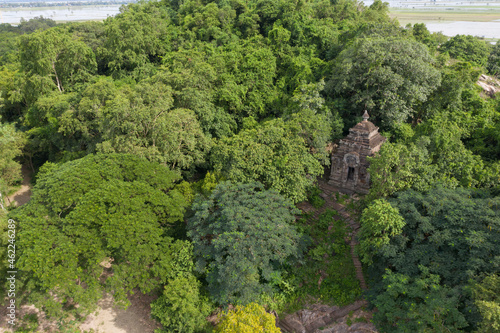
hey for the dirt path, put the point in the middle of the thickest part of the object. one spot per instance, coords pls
(107, 318)
(23, 195)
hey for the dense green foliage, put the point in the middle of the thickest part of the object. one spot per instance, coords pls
(115, 211)
(468, 48)
(242, 236)
(417, 304)
(328, 272)
(450, 237)
(389, 77)
(181, 308)
(270, 153)
(493, 65)
(124, 122)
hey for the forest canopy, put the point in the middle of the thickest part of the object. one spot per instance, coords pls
(170, 145)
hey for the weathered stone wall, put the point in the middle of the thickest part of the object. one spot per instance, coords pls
(349, 163)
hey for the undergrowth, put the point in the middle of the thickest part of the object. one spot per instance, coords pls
(328, 274)
(314, 198)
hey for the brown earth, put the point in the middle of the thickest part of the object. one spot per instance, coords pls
(107, 319)
(23, 195)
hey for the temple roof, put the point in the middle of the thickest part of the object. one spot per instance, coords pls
(365, 126)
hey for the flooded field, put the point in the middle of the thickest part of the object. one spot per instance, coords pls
(489, 30)
(59, 13)
(477, 18)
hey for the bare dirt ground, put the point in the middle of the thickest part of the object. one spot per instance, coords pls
(23, 195)
(107, 319)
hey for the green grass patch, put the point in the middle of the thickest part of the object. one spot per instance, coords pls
(440, 16)
(314, 198)
(28, 324)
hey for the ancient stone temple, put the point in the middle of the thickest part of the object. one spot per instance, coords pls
(349, 164)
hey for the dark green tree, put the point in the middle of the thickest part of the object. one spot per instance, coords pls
(271, 153)
(242, 237)
(417, 304)
(467, 48)
(493, 64)
(388, 76)
(36, 23)
(451, 236)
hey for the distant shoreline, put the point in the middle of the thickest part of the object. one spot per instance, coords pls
(68, 3)
(480, 22)
(60, 14)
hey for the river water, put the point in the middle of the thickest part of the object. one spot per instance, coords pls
(66, 13)
(479, 29)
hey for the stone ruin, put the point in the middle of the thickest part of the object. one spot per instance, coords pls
(349, 164)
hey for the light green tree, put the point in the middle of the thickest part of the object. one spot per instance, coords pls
(487, 298)
(135, 37)
(271, 153)
(53, 59)
(399, 166)
(11, 144)
(102, 213)
(181, 308)
(379, 223)
(247, 319)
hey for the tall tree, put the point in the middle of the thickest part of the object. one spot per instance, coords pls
(142, 122)
(242, 236)
(387, 76)
(271, 153)
(54, 59)
(100, 223)
(137, 36)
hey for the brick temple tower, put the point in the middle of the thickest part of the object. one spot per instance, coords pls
(349, 163)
